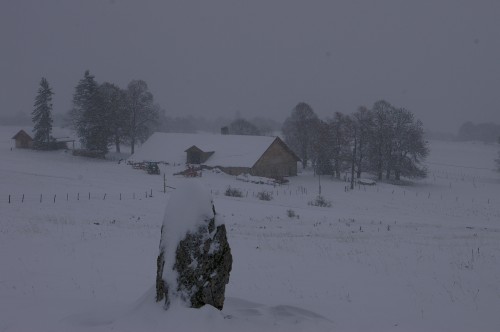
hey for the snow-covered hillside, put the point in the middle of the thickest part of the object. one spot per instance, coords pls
(79, 239)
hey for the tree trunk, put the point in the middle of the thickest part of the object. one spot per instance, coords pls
(117, 145)
(305, 157)
(133, 131)
(358, 172)
(397, 167)
(360, 148)
(353, 162)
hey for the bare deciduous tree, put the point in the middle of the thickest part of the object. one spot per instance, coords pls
(299, 130)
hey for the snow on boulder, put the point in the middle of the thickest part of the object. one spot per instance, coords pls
(195, 259)
(255, 179)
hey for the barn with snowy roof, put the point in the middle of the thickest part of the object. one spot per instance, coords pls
(233, 154)
(23, 140)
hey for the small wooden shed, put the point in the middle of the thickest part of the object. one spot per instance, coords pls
(196, 156)
(23, 140)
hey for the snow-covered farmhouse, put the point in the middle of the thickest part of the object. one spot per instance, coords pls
(233, 154)
(59, 138)
(23, 140)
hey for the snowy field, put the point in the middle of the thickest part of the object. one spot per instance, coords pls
(79, 241)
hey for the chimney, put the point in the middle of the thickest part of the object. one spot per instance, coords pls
(224, 131)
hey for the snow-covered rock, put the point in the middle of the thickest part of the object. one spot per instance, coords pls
(255, 179)
(366, 182)
(195, 259)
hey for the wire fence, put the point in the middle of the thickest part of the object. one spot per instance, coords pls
(447, 183)
(77, 197)
(287, 192)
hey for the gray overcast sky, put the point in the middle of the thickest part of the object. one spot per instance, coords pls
(439, 59)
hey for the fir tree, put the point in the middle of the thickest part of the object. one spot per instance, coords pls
(114, 109)
(42, 115)
(90, 119)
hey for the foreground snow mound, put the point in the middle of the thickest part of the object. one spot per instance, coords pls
(195, 258)
(238, 315)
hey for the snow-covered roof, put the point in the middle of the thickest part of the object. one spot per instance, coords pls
(229, 150)
(57, 132)
(22, 133)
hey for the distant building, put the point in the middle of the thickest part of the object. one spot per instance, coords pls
(224, 130)
(233, 154)
(23, 140)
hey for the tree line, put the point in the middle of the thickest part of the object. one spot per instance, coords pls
(483, 132)
(102, 115)
(384, 141)
(239, 126)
